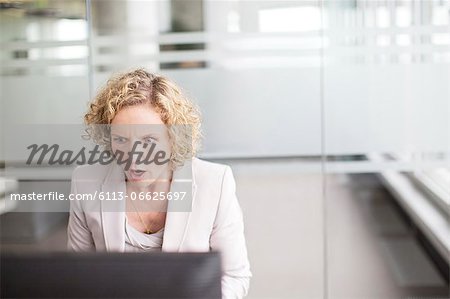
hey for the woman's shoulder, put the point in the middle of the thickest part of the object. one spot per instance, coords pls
(206, 168)
(211, 175)
(91, 172)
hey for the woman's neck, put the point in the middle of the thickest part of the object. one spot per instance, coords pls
(142, 193)
(160, 185)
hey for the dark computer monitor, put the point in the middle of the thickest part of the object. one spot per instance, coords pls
(111, 275)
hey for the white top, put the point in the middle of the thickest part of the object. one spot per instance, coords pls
(136, 241)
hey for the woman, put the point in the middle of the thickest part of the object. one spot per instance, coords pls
(146, 113)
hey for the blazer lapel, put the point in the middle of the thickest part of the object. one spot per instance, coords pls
(113, 211)
(178, 211)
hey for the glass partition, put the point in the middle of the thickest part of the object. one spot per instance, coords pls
(387, 137)
(44, 81)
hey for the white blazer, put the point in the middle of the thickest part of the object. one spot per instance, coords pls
(214, 222)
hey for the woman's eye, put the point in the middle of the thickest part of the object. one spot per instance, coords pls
(119, 139)
(150, 140)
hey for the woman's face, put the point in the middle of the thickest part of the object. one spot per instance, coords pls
(139, 133)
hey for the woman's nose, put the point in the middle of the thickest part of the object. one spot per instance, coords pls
(137, 151)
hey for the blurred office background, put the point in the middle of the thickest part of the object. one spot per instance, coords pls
(334, 115)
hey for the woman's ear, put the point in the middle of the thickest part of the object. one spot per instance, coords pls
(172, 165)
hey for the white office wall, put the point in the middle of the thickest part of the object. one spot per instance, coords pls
(261, 94)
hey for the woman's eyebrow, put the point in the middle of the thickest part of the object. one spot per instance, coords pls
(153, 135)
(117, 135)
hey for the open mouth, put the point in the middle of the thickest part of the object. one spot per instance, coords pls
(135, 173)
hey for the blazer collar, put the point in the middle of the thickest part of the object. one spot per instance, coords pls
(177, 218)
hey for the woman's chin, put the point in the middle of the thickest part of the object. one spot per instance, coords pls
(141, 182)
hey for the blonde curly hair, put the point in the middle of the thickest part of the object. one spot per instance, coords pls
(137, 87)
